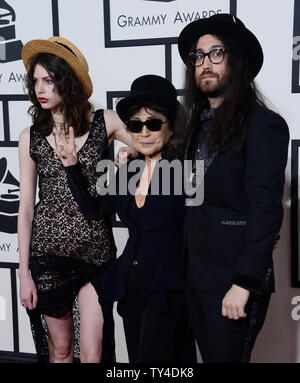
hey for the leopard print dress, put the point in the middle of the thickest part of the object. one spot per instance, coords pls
(67, 250)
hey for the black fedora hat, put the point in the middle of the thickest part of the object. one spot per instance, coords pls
(226, 25)
(149, 88)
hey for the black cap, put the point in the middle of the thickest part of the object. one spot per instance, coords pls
(149, 88)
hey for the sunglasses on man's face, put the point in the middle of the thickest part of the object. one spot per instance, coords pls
(136, 126)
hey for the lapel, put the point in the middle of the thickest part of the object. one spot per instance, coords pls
(131, 173)
(124, 199)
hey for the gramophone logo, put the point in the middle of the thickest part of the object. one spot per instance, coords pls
(10, 48)
(9, 199)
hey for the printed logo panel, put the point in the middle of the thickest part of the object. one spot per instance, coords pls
(140, 22)
(16, 28)
(9, 204)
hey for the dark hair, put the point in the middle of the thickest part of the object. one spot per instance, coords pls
(177, 125)
(229, 127)
(74, 104)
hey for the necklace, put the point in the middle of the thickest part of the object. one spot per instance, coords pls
(60, 124)
(62, 128)
(193, 171)
(58, 127)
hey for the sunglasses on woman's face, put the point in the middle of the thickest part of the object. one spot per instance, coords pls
(136, 126)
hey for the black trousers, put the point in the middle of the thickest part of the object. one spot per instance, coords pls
(220, 339)
(153, 336)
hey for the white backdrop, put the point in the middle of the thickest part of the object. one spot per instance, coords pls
(121, 41)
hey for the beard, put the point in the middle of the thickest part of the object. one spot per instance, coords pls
(212, 88)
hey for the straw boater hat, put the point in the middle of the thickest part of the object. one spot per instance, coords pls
(64, 49)
(223, 24)
(149, 88)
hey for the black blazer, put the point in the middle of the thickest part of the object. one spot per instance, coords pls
(230, 237)
(157, 238)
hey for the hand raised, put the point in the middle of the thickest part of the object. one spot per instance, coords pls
(66, 148)
(124, 154)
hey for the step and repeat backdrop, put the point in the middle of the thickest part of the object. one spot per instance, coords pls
(121, 41)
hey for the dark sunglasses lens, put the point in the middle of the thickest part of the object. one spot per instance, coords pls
(154, 124)
(134, 126)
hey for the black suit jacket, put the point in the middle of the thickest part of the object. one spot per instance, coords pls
(158, 237)
(230, 237)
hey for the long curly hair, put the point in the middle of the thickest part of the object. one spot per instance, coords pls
(229, 127)
(74, 105)
(177, 125)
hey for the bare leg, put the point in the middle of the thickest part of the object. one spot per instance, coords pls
(60, 338)
(91, 324)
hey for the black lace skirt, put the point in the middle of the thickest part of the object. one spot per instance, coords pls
(58, 281)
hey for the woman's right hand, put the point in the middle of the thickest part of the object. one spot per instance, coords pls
(66, 150)
(124, 154)
(28, 292)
